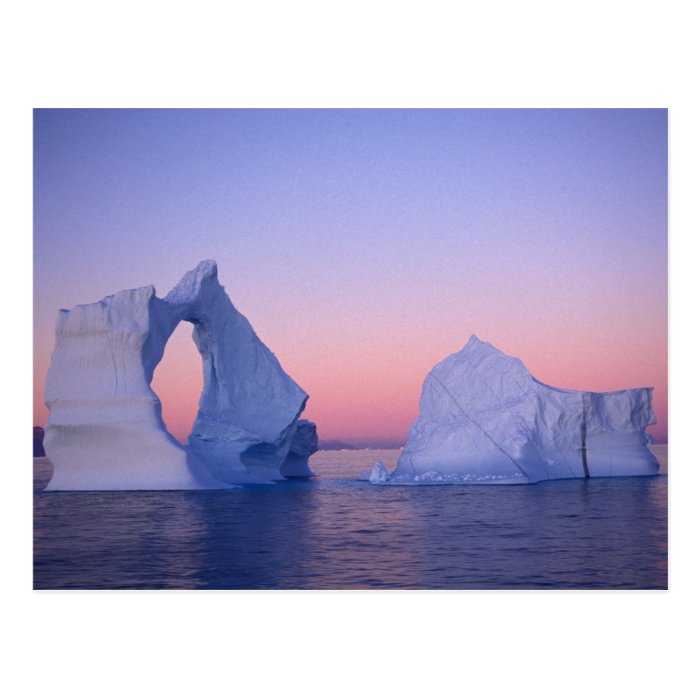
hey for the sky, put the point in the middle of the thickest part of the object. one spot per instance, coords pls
(364, 246)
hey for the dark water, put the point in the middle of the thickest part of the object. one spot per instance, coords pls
(336, 532)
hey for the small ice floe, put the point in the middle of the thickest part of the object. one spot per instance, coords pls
(376, 475)
(434, 478)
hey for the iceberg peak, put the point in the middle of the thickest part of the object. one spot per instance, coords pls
(189, 287)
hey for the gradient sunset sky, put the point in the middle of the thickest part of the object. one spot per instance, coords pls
(364, 246)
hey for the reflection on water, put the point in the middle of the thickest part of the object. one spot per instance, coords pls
(336, 532)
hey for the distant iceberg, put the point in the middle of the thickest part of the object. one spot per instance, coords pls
(105, 429)
(485, 419)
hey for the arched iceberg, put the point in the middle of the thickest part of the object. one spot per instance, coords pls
(485, 419)
(105, 430)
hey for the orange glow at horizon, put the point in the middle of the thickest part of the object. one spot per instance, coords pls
(370, 393)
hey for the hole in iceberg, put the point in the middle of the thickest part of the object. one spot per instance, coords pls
(177, 381)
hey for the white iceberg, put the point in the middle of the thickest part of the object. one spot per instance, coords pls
(485, 419)
(105, 429)
(378, 474)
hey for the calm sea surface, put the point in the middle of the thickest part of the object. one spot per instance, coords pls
(336, 532)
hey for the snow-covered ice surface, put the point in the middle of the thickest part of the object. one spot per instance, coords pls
(105, 429)
(485, 419)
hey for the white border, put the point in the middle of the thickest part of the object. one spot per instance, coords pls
(611, 54)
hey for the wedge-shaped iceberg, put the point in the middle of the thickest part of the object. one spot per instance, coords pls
(485, 419)
(105, 429)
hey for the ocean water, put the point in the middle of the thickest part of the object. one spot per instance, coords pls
(334, 532)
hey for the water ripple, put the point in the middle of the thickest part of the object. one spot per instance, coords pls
(335, 532)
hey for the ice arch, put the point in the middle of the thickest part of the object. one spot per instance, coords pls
(105, 429)
(178, 381)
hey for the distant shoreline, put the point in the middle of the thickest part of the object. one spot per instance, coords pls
(330, 445)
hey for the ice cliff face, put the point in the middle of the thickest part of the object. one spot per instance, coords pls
(304, 444)
(484, 418)
(105, 429)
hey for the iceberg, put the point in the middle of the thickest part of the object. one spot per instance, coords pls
(105, 429)
(485, 419)
(378, 474)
